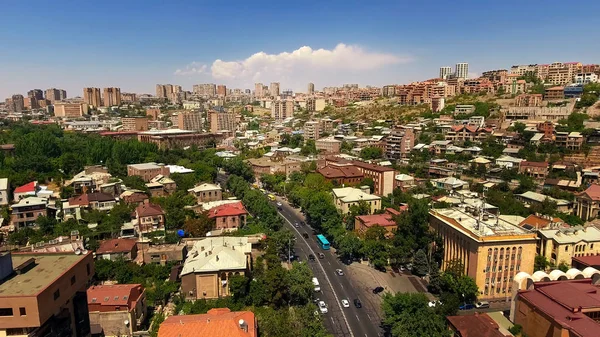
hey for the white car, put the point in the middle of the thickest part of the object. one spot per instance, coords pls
(279, 204)
(339, 272)
(323, 307)
(433, 304)
(345, 303)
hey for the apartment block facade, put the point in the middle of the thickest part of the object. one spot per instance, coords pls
(112, 97)
(134, 123)
(91, 96)
(282, 109)
(70, 110)
(190, 121)
(220, 121)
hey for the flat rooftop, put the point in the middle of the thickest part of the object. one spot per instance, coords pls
(48, 268)
(478, 228)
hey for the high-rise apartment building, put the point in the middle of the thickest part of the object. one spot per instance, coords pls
(221, 90)
(16, 103)
(561, 73)
(258, 90)
(462, 70)
(311, 89)
(274, 89)
(36, 94)
(399, 143)
(189, 121)
(160, 91)
(128, 97)
(63, 94)
(44, 294)
(445, 72)
(91, 96)
(112, 96)
(54, 95)
(205, 90)
(221, 121)
(282, 109)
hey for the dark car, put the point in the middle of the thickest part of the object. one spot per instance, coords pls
(468, 306)
(311, 257)
(305, 235)
(377, 290)
(357, 303)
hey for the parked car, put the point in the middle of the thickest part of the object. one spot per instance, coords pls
(321, 256)
(323, 307)
(305, 235)
(377, 290)
(339, 272)
(311, 257)
(482, 305)
(357, 303)
(345, 303)
(279, 204)
(466, 306)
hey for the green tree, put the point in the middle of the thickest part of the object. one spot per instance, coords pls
(420, 263)
(371, 152)
(199, 226)
(349, 246)
(301, 286)
(407, 315)
(563, 266)
(540, 263)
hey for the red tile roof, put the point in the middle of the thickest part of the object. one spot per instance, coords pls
(29, 187)
(233, 209)
(593, 192)
(219, 322)
(383, 220)
(560, 300)
(534, 163)
(148, 210)
(538, 222)
(338, 172)
(590, 261)
(116, 246)
(113, 295)
(85, 199)
(477, 325)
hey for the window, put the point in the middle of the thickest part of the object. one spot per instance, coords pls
(6, 312)
(22, 311)
(73, 279)
(56, 294)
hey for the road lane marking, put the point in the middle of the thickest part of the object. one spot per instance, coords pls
(324, 274)
(357, 318)
(369, 316)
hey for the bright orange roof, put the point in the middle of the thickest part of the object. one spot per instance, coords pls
(219, 322)
(118, 294)
(232, 209)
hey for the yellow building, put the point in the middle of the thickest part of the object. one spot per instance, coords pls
(561, 244)
(344, 198)
(492, 250)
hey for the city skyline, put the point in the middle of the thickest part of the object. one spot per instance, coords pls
(339, 46)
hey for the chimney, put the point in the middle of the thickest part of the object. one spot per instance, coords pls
(243, 325)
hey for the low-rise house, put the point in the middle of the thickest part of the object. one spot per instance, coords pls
(362, 223)
(147, 171)
(508, 162)
(27, 190)
(404, 181)
(98, 201)
(26, 211)
(587, 205)
(450, 184)
(530, 198)
(229, 217)
(537, 170)
(161, 186)
(115, 249)
(134, 197)
(89, 179)
(161, 254)
(119, 310)
(207, 192)
(477, 324)
(210, 263)
(4, 191)
(219, 322)
(538, 221)
(346, 197)
(148, 218)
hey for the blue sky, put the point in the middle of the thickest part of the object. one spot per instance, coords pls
(137, 44)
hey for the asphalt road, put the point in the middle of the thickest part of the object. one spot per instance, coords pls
(339, 321)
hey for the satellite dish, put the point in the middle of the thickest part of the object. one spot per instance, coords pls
(85, 251)
(126, 322)
(77, 251)
(60, 239)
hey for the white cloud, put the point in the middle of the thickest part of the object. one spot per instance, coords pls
(192, 69)
(344, 62)
(342, 57)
